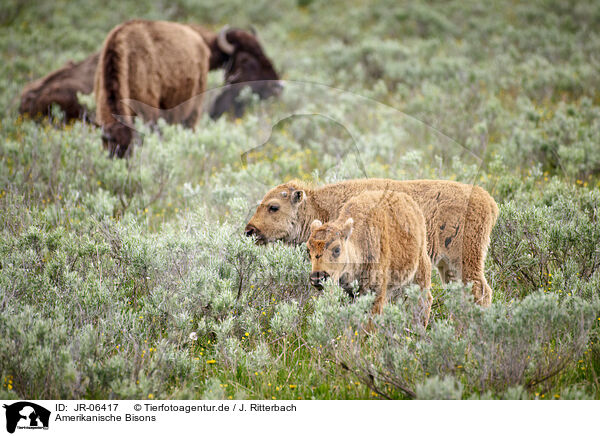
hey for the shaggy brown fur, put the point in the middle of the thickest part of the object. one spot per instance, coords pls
(379, 240)
(60, 87)
(158, 63)
(459, 219)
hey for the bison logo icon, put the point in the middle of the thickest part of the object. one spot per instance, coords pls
(26, 415)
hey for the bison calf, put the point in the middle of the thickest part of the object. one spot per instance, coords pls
(379, 240)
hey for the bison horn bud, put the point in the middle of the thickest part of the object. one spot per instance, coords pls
(315, 225)
(225, 45)
(347, 230)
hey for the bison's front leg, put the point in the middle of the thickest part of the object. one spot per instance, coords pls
(379, 284)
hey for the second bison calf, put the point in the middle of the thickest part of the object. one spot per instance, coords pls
(379, 240)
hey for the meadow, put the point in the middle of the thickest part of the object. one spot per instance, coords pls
(132, 279)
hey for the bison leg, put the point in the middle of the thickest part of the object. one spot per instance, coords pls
(191, 121)
(379, 285)
(224, 102)
(423, 279)
(475, 245)
(482, 293)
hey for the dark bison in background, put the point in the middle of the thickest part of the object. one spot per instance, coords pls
(163, 65)
(245, 65)
(60, 87)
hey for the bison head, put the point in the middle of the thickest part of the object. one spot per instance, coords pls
(330, 253)
(116, 138)
(247, 65)
(279, 215)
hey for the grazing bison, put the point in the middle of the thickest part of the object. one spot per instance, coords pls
(379, 240)
(246, 65)
(459, 219)
(161, 64)
(164, 66)
(60, 87)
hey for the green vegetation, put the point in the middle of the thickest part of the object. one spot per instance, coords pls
(132, 279)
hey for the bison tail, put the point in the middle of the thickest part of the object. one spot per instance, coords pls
(113, 73)
(114, 78)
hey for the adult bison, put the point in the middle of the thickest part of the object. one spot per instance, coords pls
(164, 66)
(60, 87)
(459, 220)
(245, 64)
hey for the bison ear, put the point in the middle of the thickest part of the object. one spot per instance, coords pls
(347, 229)
(298, 196)
(315, 225)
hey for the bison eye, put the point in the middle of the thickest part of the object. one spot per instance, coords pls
(273, 208)
(335, 252)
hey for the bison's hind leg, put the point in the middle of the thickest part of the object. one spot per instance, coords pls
(480, 219)
(423, 279)
(482, 293)
(473, 268)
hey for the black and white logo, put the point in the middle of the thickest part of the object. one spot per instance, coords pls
(26, 415)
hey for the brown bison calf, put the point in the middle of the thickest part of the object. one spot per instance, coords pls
(379, 240)
(459, 219)
(60, 87)
(163, 66)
